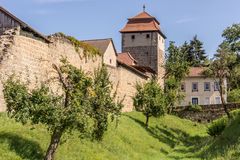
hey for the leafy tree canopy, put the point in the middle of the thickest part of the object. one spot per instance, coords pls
(83, 105)
(150, 99)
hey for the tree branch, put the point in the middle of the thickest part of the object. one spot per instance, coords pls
(61, 78)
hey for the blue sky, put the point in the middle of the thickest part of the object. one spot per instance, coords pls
(91, 19)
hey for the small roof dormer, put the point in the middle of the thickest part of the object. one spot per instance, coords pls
(143, 22)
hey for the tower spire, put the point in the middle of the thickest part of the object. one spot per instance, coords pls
(144, 8)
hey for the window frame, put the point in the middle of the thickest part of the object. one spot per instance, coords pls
(183, 89)
(216, 86)
(196, 98)
(195, 90)
(216, 100)
(133, 37)
(147, 36)
(209, 101)
(209, 84)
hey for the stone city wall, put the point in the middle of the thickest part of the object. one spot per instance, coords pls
(31, 60)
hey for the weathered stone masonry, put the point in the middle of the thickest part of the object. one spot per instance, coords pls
(31, 60)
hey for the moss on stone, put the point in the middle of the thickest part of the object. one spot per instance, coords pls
(88, 50)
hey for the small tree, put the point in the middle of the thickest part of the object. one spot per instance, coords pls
(177, 68)
(150, 99)
(219, 69)
(73, 109)
(103, 102)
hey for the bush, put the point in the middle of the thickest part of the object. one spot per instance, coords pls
(217, 127)
(195, 108)
(234, 96)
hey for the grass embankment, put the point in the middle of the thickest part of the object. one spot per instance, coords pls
(167, 138)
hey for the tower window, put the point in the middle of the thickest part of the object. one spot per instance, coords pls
(133, 37)
(147, 35)
(110, 61)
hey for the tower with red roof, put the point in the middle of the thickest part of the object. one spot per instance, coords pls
(143, 39)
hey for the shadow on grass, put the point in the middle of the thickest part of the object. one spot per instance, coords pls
(23, 147)
(226, 142)
(175, 137)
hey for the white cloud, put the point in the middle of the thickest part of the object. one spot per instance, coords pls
(184, 20)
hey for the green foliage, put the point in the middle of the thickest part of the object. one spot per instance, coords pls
(217, 127)
(194, 53)
(220, 69)
(88, 50)
(231, 41)
(195, 108)
(84, 104)
(176, 70)
(103, 102)
(150, 99)
(176, 66)
(234, 96)
(231, 36)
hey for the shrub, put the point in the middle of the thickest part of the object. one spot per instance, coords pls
(217, 127)
(234, 96)
(195, 108)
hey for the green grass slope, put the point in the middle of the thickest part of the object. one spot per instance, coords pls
(167, 138)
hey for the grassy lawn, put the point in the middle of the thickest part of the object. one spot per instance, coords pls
(167, 138)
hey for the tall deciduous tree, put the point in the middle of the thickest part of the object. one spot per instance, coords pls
(177, 68)
(231, 36)
(82, 99)
(219, 69)
(150, 99)
(231, 41)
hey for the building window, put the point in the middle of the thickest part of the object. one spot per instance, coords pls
(133, 37)
(216, 86)
(217, 100)
(207, 100)
(194, 101)
(110, 61)
(194, 87)
(183, 89)
(207, 86)
(147, 35)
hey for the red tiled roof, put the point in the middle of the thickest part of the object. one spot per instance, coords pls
(132, 69)
(196, 72)
(143, 22)
(144, 15)
(126, 58)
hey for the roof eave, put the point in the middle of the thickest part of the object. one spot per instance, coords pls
(160, 32)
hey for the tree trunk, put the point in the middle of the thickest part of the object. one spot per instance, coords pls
(147, 119)
(55, 139)
(223, 101)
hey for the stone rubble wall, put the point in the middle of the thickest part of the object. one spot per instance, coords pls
(31, 60)
(207, 114)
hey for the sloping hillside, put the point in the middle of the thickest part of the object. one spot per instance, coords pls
(167, 138)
